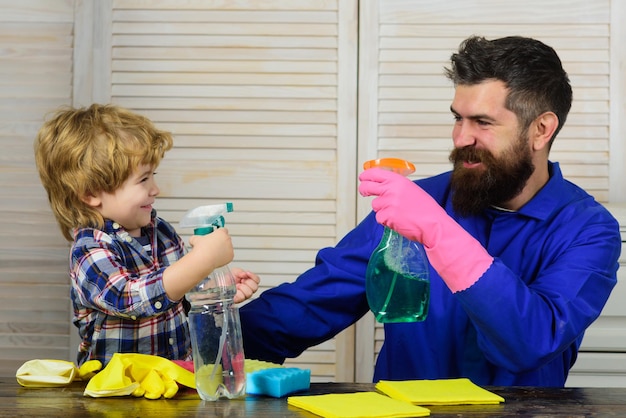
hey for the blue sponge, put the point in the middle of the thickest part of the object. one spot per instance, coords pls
(278, 382)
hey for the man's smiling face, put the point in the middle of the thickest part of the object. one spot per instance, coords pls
(492, 156)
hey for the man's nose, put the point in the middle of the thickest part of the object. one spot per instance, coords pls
(463, 135)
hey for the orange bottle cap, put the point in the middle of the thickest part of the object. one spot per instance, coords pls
(396, 165)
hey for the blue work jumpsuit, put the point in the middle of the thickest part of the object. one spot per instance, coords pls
(521, 323)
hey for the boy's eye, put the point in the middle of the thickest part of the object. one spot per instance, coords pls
(146, 178)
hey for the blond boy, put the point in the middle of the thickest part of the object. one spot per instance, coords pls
(129, 268)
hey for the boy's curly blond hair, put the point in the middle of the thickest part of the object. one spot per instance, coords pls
(82, 152)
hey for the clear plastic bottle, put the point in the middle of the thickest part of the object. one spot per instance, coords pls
(214, 322)
(397, 280)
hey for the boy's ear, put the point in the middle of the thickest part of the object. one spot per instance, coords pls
(91, 200)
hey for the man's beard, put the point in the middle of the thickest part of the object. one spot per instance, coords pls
(497, 181)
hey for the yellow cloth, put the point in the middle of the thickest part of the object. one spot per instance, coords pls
(40, 373)
(438, 392)
(139, 375)
(357, 405)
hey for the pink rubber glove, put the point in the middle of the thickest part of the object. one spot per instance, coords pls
(406, 208)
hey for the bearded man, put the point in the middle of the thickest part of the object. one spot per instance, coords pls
(522, 261)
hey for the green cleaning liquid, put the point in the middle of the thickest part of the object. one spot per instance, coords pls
(397, 281)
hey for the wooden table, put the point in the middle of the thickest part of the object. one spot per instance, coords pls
(69, 402)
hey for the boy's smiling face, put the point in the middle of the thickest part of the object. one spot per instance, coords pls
(131, 204)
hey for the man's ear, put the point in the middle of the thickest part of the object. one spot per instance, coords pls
(542, 130)
(91, 200)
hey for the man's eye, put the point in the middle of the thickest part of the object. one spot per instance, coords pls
(457, 118)
(483, 122)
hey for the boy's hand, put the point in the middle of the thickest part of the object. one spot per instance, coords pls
(208, 253)
(247, 284)
(215, 248)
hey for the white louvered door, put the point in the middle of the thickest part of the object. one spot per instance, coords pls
(404, 97)
(261, 99)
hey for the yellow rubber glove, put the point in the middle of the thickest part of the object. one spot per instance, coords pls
(112, 380)
(139, 375)
(89, 369)
(54, 373)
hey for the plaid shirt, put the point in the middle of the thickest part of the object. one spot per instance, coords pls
(117, 292)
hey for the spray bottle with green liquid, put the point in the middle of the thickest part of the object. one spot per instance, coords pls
(397, 278)
(214, 323)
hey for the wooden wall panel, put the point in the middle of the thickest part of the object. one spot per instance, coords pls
(262, 99)
(36, 47)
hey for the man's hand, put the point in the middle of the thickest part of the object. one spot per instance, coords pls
(406, 208)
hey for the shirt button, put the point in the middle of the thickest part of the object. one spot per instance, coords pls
(171, 341)
(128, 238)
(116, 225)
(158, 305)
